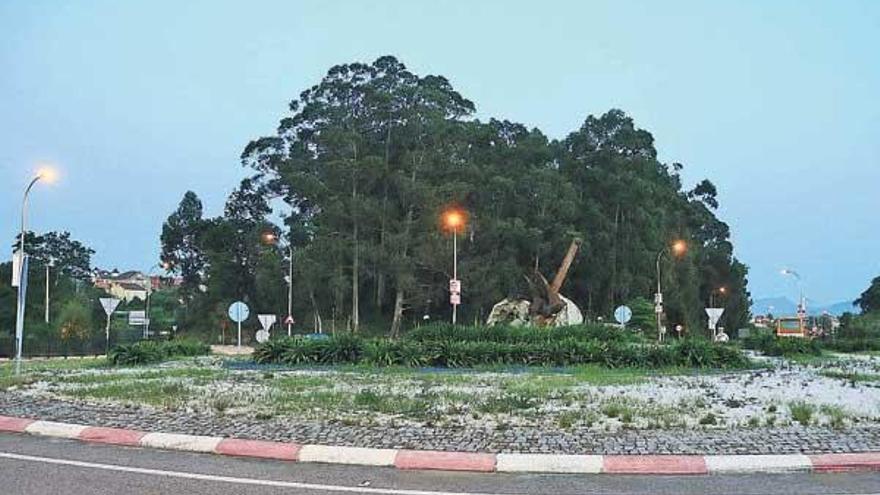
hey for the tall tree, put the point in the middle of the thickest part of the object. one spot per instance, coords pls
(869, 300)
(180, 243)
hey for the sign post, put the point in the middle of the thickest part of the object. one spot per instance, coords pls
(238, 312)
(109, 304)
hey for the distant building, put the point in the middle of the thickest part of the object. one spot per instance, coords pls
(131, 284)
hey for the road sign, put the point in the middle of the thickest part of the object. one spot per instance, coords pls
(267, 321)
(16, 268)
(623, 314)
(714, 315)
(658, 308)
(262, 336)
(137, 318)
(109, 304)
(239, 311)
(455, 299)
(455, 286)
(289, 320)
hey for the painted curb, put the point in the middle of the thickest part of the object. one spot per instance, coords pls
(839, 463)
(445, 461)
(112, 436)
(347, 455)
(654, 464)
(258, 448)
(14, 425)
(724, 464)
(549, 463)
(175, 441)
(53, 429)
(452, 461)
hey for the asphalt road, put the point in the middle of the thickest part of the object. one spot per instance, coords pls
(31, 466)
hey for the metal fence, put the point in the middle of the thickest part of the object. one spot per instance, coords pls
(51, 345)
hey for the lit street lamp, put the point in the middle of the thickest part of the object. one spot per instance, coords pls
(678, 248)
(47, 175)
(720, 290)
(454, 219)
(271, 238)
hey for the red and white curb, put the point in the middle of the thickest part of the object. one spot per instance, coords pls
(452, 461)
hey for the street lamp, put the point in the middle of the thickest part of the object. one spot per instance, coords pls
(165, 266)
(47, 175)
(678, 248)
(454, 219)
(719, 290)
(271, 238)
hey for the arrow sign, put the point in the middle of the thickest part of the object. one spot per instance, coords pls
(714, 315)
(267, 321)
(109, 304)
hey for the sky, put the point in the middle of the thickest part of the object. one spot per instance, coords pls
(138, 101)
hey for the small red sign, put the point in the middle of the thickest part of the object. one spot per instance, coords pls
(455, 299)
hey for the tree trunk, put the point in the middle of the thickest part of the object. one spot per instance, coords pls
(355, 261)
(398, 313)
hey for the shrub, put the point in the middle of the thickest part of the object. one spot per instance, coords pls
(802, 412)
(151, 351)
(500, 347)
(767, 342)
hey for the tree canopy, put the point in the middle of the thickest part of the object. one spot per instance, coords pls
(369, 158)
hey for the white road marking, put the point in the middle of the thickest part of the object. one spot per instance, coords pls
(230, 479)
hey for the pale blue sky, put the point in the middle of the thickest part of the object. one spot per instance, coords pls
(776, 102)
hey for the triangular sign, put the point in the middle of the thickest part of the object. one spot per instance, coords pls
(267, 321)
(109, 304)
(714, 315)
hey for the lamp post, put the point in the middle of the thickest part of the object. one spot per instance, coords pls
(720, 290)
(50, 263)
(47, 175)
(271, 238)
(165, 267)
(678, 248)
(454, 219)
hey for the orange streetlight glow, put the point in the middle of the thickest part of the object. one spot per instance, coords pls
(679, 247)
(454, 219)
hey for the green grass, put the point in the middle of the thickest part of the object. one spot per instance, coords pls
(154, 393)
(802, 412)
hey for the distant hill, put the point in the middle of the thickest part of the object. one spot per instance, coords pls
(785, 306)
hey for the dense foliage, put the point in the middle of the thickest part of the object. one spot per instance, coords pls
(154, 351)
(466, 347)
(857, 333)
(767, 342)
(368, 159)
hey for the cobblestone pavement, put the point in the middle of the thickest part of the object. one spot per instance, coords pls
(785, 440)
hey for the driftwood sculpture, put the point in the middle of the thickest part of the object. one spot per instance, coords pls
(547, 306)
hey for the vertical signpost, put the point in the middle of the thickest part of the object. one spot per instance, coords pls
(238, 312)
(109, 304)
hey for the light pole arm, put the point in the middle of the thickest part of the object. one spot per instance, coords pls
(24, 213)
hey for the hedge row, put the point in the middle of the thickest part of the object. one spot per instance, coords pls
(348, 348)
(154, 351)
(519, 335)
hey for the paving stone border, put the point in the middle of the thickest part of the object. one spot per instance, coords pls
(449, 461)
(515, 440)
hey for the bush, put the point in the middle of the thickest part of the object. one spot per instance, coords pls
(768, 343)
(151, 351)
(505, 347)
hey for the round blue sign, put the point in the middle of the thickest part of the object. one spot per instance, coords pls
(239, 311)
(623, 314)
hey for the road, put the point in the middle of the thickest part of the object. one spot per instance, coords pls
(32, 465)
